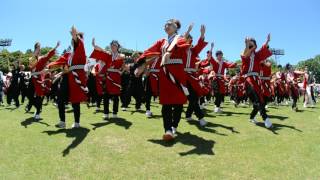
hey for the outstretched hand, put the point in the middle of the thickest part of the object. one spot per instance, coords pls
(58, 44)
(93, 42)
(202, 30)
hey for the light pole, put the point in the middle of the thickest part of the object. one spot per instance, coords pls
(5, 43)
(277, 54)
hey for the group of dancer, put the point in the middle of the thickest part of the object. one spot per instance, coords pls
(170, 69)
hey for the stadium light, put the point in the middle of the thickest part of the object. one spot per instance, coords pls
(5, 43)
(277, 54)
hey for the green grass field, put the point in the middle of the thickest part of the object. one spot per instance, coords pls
(130, 147)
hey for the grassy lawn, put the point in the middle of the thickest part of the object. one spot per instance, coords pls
(130, 147)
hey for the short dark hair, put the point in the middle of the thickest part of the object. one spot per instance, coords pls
(254, 41)
(189, 36)
(219, 53)
(36, 45)
(175, 21)
(115, 42)
(288, 66)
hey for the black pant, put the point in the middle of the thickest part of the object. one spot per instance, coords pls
(136, 93)
(99, 100)
(23, 94)
(35, 101)
(148, 96)
(312, 95)
(1, 98)
(13, 94)
(193, 105)
(294, 97)
(258, 105)
(218, 96)
(171, 116)
(106, 99)
(204, 98)
(62, 108)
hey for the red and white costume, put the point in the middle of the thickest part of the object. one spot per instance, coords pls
(219, 68)
(77, 76)
(251, 68)
(172, 78)
(265, 77)
(190, 60)
(37, 76)
(113, 65)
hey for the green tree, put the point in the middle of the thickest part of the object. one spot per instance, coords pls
(313, 66)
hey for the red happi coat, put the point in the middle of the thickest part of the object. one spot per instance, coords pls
(236, 86)
(48, 83)
(305, 81)
(153, 71)
(203, 71)
(219, 68)
(241, 86)
(281, 83)
(190, 59)
(170, 92)
(265, 77)
(113, 70)
(76, 93)
(61, 61)
(292, 80)
(204, 64)
(233, 88)
(251, 68)
(203, 76)
(37, 80)
(100, 70)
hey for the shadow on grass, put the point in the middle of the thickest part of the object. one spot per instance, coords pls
(278, 117)
(304, 110)
(31, 120)
(11, 108)
(201, 145)
(209, 127)
(136, 111)
(118, 121)
(79, 134)
(276, 127)
(97, 111)
(230, 113)
(156, 116)
(273, 107)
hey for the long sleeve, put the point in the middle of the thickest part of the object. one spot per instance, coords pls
(154, 50)
(263, 53)
(230, 65)
(61, 61)
(44, 59)
(199, 46)
(100, 55)
(79, 56)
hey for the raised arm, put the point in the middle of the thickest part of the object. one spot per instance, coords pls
(201, 43)
(268, 40)
(265, 52)
(96, 47)
(186, 34)
(230, 64)
(52, 51)
(247, 51)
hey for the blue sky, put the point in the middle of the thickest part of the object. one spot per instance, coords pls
(294, 25)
